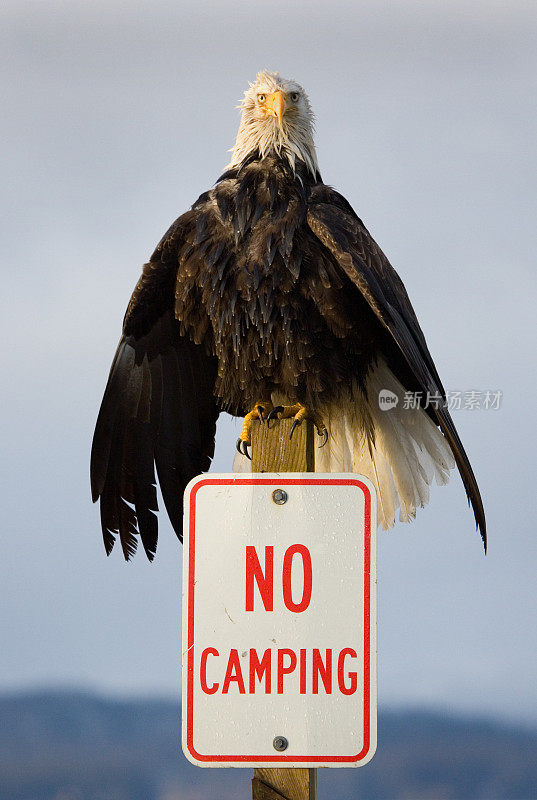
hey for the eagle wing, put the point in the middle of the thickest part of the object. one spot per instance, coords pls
(158, 409)
(343, 234)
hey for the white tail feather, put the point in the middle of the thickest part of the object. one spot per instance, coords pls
(399, 449)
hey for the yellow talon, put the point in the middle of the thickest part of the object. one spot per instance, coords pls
(299, 413)
(260, 411)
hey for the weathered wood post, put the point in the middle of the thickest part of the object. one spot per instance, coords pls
(273, 451)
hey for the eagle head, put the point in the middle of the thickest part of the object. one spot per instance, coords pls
(276, 118)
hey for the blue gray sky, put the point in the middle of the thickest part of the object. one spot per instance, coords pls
(116, 116)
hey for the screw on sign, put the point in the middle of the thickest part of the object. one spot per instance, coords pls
(280, 743)
(279, 496)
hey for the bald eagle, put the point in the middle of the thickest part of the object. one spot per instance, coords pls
(269, 297)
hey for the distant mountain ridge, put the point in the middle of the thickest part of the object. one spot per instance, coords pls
(82, 746)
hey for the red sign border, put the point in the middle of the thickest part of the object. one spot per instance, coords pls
(278, 759)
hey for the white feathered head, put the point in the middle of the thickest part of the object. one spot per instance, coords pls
(277, 118)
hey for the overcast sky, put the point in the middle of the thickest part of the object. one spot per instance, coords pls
(117, 115)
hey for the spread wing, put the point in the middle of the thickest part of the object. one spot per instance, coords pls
(335, 224)
(158, 410)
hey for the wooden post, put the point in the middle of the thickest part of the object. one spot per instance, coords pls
(272, 451)
(284, 784)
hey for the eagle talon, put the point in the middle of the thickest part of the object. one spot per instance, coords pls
(242, 448)
(274, 413)
(296, 423)
(258, 412)
(298, 413)
(324, 434)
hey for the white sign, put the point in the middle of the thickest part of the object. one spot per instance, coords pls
(279, 620)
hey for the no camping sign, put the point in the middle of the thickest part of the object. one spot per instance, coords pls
(279, 620)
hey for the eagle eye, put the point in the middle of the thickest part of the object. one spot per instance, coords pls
(294, 96)
(261, 98)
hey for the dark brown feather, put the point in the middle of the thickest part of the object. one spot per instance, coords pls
(346, 238)
(269, 283)
(158, 407)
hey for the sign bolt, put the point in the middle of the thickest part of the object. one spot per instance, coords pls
(280, 497)
(280, 743)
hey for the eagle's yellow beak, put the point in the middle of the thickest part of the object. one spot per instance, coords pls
(276, 105)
